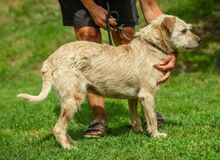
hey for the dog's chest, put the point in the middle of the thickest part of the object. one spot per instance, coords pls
(120, 92)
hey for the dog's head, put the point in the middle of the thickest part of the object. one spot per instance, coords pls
(170, 33)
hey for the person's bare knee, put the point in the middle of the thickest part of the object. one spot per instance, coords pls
(88, 33)
(92, 34)
(124, 36)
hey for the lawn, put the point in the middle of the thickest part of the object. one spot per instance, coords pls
(190, 103)
(31, 30)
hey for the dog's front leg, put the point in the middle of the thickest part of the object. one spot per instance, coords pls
(147, 102)
(135, 121)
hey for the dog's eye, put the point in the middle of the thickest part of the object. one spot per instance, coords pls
(184, 31)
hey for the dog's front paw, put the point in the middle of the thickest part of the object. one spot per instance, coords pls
(67, 146)
(159, 135)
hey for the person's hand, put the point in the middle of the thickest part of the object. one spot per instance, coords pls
(166, 65)
(98, 14)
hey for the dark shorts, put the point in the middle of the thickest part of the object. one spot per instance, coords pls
(76, 15)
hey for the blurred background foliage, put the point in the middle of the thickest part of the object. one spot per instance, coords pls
(191, 9)
(30, 30)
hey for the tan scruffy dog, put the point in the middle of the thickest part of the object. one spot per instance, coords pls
(125, 71)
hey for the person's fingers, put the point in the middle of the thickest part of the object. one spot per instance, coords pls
(113, 29)
(166, 67)
(166, 64)
(112, 22)
(113, 18)
(160, 67)
(101, 23)
(165, 60)
(164, 78)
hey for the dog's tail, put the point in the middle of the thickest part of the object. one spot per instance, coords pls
(46, 88)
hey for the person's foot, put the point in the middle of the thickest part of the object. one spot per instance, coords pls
(97, 128)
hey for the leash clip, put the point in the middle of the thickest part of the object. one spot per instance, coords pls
(119, 28)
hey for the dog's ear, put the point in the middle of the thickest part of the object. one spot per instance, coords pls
(168, 23)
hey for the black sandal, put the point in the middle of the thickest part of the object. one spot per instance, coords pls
(160, 118)
(97, 128)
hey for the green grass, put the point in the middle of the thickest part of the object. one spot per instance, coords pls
(190, 103)
(31, 30)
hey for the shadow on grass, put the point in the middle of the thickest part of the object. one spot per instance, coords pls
(117, 131)
(115, 111)
(173, 123)
(84, 116)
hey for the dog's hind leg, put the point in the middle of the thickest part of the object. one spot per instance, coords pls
(147, 102)
(69, 105)
(135, 121)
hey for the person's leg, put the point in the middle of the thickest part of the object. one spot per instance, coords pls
(124, 37)
(74, 14)
(88, 33)
(92, 34)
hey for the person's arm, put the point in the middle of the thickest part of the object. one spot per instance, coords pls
(151, 11)
(98, 13)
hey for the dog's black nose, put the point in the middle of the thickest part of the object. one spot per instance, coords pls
(200, 41)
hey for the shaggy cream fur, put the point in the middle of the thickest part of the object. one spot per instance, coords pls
(125, 71)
